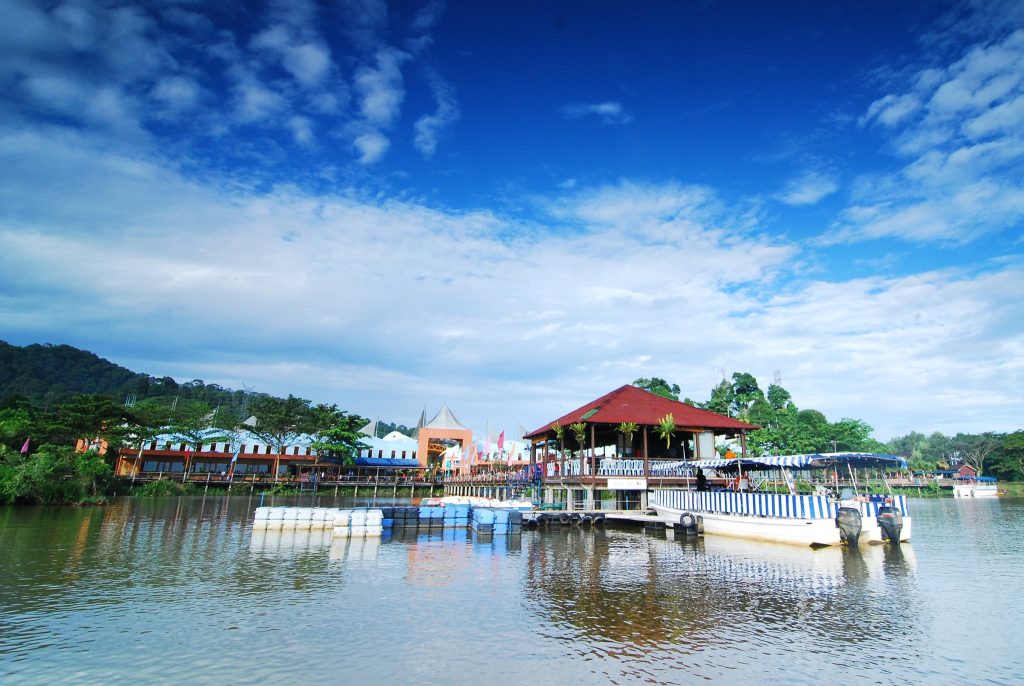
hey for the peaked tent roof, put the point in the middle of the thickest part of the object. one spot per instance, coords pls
(444, 419)
(420, 423)
(632, 404)
(370, 429)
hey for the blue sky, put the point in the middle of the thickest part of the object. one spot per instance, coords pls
(515, 207)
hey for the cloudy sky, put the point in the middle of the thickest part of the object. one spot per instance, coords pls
(514, 207)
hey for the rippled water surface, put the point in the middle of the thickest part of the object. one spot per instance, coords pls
(181, 591)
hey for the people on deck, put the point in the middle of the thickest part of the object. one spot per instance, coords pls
(702, 481)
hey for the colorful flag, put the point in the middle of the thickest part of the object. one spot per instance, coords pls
(501, 442)
(24, 447)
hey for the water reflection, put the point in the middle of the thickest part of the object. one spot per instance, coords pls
(94, 596)
(632, 595)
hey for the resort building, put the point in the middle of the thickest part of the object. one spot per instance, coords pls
(239, 456)
(607, 453)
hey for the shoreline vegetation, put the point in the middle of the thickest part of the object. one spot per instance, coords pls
(52, 397)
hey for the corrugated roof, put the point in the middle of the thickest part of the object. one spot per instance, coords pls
(632, 404)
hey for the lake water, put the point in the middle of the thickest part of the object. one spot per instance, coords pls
(180, 591)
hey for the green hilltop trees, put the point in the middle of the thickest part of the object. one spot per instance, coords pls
(38, 462)
(784, 428)
(787, 429)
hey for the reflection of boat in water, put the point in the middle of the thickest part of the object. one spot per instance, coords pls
(976, 487)
(813, 520)
(780, 565)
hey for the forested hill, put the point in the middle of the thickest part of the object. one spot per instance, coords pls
(48, 374)
(39, 372)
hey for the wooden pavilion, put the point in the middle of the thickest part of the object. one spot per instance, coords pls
(611, 468)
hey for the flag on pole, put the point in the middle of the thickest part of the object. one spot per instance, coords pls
(24, 447)
(234, 459)
(501, 442)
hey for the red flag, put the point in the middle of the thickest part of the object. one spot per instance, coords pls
(24, 448)
(501, 442)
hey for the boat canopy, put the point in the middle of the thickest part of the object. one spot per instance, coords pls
(807, 461)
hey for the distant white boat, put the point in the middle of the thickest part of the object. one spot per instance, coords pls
(982, 487)
(812, 520)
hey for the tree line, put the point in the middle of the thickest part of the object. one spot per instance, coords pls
(787, 429)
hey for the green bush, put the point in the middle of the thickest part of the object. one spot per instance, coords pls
(163, 488)
(53, 475)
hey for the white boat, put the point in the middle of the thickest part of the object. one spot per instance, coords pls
(981, 487)
(813, 520)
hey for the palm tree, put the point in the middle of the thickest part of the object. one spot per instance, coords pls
(627, 429)
(666, 427)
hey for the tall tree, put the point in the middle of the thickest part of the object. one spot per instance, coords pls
(778, 397)
(722, 396)
(658, 386)
(745, 392)
(336, 434)
(974, 449)
(280, 422)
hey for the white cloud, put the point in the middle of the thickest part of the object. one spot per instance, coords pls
(255, 102)
(302, 130)
(307, 59)
(607, 112)
(380, 88)
(960, 132)
(892, 109)
(177, 93)
(371, 145)
(808, 189)
(498, 318)
(429, 126)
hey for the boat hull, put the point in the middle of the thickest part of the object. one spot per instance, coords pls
(796, 531)
(793, 530)
(975, 491)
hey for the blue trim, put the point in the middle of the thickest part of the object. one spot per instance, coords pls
(387, 462)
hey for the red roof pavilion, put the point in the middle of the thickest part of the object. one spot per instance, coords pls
(632, 404)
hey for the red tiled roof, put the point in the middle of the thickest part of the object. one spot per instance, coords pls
(632, 404)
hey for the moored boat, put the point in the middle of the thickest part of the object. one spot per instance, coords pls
(820, 519)
(976, 487)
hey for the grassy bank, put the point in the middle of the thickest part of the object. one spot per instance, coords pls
(1012, 488)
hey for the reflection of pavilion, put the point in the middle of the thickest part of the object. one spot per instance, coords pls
(647, 591)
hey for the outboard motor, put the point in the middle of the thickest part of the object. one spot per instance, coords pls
(849, 522)
(891, 521)
(688, 523)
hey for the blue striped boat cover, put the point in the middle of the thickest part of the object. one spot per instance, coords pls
(804, 461)
(763, 504)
